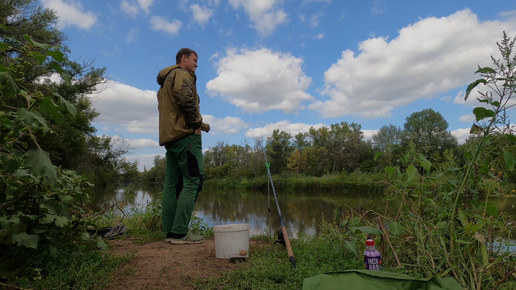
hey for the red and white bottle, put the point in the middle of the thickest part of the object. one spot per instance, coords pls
(372, 258)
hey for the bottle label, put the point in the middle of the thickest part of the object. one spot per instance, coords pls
(373, 263)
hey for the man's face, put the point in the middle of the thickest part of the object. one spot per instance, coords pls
(189, 62)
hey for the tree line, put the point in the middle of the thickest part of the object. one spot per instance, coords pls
(342, 148)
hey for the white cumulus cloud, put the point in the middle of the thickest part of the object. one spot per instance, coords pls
(461, 134)
(71, 13)
(161, 24)
(266, 15)
(132, 7)
(285, 126)
(201, 14)
(261, 80)
(435, 54)
(227, 125)
(120, 104)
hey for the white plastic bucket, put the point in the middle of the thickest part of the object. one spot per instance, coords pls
(231, 241)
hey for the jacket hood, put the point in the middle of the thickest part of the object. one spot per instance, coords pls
(162, 75)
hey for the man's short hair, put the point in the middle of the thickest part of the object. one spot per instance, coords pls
(184, 51)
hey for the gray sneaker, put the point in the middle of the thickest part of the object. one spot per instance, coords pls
(188, 239)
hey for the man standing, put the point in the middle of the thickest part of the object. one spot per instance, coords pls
(180, 125)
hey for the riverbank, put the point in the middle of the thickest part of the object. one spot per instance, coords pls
(344, 183)
(417, 237)
(140, 259)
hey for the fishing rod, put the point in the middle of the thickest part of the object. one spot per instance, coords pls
(282, 221)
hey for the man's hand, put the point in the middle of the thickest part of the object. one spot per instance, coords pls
(198, 131)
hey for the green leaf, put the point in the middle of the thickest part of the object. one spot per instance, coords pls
(390, 170)
(509, 160)
(377, 155)
(369, 230)
(463, 219)
(101, 244)
(441, 225)
(8, 87)
(472, 86)
(485, 70)
(26, 95)
(66, 198)
(39, 56)
(395, 228)
(56, 55)
(491, 209)
(4, 46)
(453, 182)
(425, 163)
(352, 247)
(511, 138)
(52, 207)
(37, 44)
(66, 77)
(475, 129)
(61, 221)
(48, 219)
(28, 118)
(69, 107)
(482, 113)
(463, 242)
(23, 239)
(46, 106)
(39, 164)
(411, 171)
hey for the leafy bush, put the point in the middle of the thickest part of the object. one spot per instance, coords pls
(40, 205)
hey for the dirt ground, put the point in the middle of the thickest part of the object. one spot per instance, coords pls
(160, 265)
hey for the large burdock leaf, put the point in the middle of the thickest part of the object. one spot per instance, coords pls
(39, 164)
(29, 118)
(23, 239)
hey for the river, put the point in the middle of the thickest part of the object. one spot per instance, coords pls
(302, 212)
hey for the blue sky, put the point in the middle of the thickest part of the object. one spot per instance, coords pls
(284, 64)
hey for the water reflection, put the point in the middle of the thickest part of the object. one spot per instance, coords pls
(127, 198)
(302, 213)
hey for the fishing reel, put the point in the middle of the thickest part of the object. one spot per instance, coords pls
(280, 240)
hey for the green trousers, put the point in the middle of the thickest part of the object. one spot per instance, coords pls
(183, 182)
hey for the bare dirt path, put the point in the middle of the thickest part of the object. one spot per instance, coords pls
(160, 265)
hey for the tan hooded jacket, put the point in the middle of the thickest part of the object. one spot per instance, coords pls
(178, 104)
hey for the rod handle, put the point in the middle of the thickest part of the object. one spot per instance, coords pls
(289, 248)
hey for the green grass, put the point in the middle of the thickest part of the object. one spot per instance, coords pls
(270, 268)
(73, 267)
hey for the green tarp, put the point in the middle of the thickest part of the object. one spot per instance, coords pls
(364, 279)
